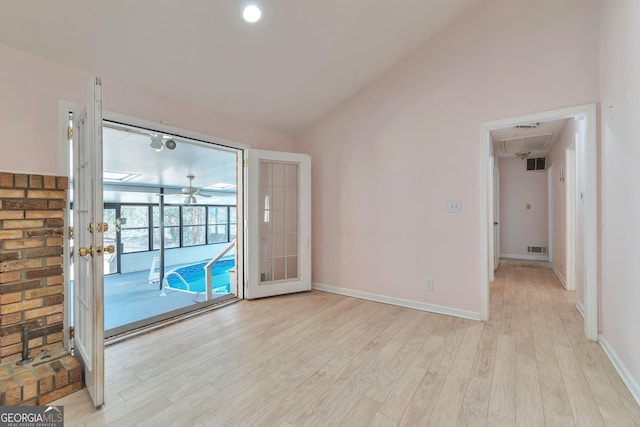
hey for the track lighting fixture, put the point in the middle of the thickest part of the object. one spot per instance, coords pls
(158, 144)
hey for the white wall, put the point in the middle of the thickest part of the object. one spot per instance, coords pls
(31, 89)
(523, 209)
(387, 160)
(620, 179)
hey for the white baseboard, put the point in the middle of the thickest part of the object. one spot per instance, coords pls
(465, 314)
(580, 308)
(526, 257)
(629, 381)
(560, 277)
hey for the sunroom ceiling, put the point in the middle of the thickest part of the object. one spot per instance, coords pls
(128, 156)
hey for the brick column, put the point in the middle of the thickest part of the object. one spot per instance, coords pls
(32, 210)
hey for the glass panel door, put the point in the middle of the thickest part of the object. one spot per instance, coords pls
(279, 223)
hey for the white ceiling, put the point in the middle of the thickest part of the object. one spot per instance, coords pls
(538, 140)
(285, 72)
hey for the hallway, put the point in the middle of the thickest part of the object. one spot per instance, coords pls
(544, 366)
(323, 359)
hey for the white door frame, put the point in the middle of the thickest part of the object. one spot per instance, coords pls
(570, 213)
(64, 154)
(241, 175)
(496, 216)
(590, 230)
(492, 245)
(64, 107)
(550, 229)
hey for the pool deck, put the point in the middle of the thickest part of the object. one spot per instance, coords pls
(129, 298)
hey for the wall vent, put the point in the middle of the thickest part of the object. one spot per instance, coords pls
(537, 249)
(528, 126)
(537, 164)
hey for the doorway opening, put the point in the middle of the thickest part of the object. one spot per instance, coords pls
(170, 222)
(582, 119)
(523, 185)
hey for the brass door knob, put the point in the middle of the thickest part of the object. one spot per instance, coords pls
(110, 249)
(86, 251)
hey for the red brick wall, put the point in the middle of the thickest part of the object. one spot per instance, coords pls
(32, 209)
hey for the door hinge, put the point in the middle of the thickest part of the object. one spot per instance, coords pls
(246, 163)
(70, 233)
(71, 334)
(69, 133)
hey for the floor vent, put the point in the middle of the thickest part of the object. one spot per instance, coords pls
(537, 249)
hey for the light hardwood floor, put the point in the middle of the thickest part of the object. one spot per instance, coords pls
(328, 360)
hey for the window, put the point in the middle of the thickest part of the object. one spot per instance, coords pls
(171, 227)
(183, 226)
(218, 224)
(135, 228)
(232, 223)
(194, 225)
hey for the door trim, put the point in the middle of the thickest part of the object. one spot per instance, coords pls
(590, 230)
(570, 220)
(64, 154)
(64, 160)
(550, 228)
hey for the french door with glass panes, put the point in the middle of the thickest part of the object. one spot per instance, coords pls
(88, 285)
(279, 223)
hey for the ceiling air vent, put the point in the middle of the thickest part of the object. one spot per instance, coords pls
(536, 143)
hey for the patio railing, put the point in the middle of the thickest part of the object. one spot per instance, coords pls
(208, 266)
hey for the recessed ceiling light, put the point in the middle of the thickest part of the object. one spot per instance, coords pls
(251, 13)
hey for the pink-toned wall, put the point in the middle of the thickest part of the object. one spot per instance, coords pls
(620, 178)
(387, 160)
(523, 209)
(31, 88)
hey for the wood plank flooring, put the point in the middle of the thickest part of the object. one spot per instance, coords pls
(318, 359)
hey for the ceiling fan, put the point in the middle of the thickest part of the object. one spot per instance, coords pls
(190, 192)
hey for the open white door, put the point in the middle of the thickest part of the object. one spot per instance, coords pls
(279, 224)
(87, 256)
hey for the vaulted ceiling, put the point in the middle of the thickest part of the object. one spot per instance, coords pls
(284, 72)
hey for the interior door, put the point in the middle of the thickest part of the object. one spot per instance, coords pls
(88, 291)
(279, 223)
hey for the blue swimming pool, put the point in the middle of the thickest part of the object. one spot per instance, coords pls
(191, 277)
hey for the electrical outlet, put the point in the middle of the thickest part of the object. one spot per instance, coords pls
(428, 283)
(454, 206)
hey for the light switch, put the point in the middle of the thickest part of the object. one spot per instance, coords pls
(454, 206)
